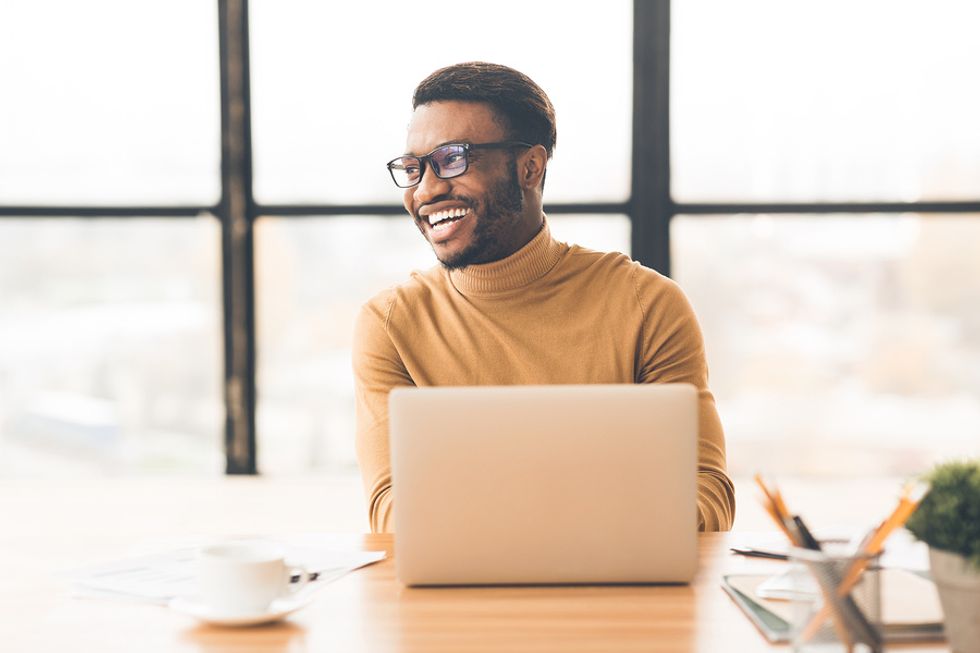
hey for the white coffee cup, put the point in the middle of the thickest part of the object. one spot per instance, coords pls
(245, 577)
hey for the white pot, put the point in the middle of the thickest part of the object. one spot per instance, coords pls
(958, 583)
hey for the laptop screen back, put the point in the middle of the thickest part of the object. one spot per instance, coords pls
(544, 484)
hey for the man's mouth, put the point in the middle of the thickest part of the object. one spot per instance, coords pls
(442, 220)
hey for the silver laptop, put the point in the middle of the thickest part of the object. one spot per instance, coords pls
(544, 484)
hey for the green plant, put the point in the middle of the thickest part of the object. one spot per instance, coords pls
(949, 516)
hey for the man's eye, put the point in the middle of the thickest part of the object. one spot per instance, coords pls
(410, 169)
(454, 158)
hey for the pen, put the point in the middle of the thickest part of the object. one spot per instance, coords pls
(806, 537)
(800, 536)
(912, 495)
(749, 552)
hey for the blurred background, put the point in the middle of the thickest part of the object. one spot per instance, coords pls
(842, 343)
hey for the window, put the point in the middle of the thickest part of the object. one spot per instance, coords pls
(826, 169)
(117, 135)
(833, 101)
(839, 344)
(109, 102)
(110, 347)
(820, 197)
(322, 133)
(110, 324)
(332, 89)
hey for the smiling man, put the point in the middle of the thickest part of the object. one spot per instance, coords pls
(509, 304)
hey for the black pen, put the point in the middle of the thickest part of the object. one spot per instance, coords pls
(806, 536)
(749, 552)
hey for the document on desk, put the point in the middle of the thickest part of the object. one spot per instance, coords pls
(160, 577)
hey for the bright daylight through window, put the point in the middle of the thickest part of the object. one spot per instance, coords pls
(838, 342)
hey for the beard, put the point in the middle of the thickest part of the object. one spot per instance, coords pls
(497, 215)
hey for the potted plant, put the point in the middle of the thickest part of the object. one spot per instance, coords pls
(948, 520)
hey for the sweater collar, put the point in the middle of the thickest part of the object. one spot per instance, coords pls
(520, 269)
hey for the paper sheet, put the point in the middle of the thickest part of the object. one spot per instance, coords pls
(159, 577)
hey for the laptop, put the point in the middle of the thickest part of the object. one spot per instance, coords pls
(544, 484)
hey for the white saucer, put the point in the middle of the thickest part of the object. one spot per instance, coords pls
(276, 611)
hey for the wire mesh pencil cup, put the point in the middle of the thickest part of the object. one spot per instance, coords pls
(838, 605)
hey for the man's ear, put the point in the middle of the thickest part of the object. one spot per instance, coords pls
(532, 167)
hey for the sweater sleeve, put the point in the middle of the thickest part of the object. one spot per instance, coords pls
(672, 351)
(377, 369)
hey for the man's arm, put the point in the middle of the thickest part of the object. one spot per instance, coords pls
(377, 369)
(673, 352)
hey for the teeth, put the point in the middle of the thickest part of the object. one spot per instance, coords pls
(439, 216)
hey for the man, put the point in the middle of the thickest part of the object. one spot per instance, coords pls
(509, 305)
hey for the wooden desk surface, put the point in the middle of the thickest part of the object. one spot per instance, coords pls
(44, 527)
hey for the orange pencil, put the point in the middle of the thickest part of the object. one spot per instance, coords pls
(912, 495)
(776, 509)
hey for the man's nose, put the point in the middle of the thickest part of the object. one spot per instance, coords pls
(430, 187)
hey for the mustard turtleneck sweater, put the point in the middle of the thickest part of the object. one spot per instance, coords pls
(550, 313)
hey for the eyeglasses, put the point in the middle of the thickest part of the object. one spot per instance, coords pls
(447, 161)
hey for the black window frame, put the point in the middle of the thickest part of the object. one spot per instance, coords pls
(650, 207)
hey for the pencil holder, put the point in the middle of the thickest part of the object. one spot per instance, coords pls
(837, 601)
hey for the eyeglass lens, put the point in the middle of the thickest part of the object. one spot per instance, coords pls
(446, 161)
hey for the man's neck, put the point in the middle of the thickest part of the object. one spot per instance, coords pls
(533, 223)
(525, 266)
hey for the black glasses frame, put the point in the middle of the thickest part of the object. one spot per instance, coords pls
(426, 158)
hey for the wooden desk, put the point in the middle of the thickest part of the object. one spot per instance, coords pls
(50, 526)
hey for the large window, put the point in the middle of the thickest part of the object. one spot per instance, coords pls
(200, 185)
(824, 101)
(120, 230)
(110, 317)
(110, 347)
(839, 344)
(843, 339)
(322, 132)
(332, 89)
(109, 102)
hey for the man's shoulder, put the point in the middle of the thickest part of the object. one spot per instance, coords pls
(583, 259)
(620, 275)
(421, 286)
(616, 266)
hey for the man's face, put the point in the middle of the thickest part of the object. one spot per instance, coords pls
(487, 197)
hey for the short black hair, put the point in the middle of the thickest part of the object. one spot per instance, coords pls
(522, 107)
